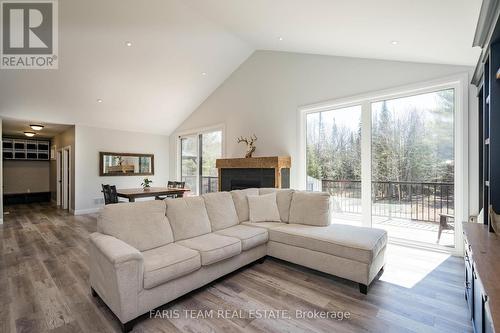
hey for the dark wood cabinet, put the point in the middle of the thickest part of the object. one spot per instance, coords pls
(482, 262)
(468, 283)
(478, 306)
(488, 324)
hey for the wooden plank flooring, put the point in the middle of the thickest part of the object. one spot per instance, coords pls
(44, 288)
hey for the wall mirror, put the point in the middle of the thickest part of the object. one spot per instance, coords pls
(126, 164)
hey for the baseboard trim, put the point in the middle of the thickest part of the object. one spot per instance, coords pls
(85, 211)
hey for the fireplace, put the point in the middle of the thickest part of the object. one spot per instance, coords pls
(241, 184)
(241, 173)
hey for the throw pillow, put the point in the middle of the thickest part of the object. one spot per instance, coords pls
(263, 208)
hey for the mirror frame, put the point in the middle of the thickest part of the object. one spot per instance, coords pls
(101, 164)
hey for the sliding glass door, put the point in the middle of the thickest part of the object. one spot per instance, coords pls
(190, 162)
(333, 144)
(413, 167)
(389, 163)
(198, 153)
(211, 150)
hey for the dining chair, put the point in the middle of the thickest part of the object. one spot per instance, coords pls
(171, 184)
(180, 184)
(110, 195)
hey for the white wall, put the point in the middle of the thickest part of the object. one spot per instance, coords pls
(26, 176)
(89, 141)
(262, 97)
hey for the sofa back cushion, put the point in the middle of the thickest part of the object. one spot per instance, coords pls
(188, 217)
(263, 208)
(143, 225)
(241, 202)
(311, 208)
(221, 210)
(283, 199)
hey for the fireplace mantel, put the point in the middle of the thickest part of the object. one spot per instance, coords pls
(255, 162)
(272, 171)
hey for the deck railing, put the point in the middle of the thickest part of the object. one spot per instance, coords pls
(422, 201)
(208, 183)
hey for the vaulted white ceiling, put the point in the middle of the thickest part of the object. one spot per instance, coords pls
(183, 50)
(426, 30)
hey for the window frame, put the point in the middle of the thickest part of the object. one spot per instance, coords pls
(459, 83)
(197, 132)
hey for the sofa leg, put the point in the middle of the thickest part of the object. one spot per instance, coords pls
(128, 326)
(363, 288)
(92, 292)
(261, 260)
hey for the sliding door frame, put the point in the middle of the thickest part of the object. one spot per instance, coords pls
(459, 83)
(197, 132)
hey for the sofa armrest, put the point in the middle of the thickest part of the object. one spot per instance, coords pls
(115, 250)
(116, 273)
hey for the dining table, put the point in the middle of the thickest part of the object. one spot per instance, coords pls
(133, 193)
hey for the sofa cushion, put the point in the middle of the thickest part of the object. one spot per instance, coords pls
(345, 241)
(266, 225)
(283, 199)
(220, 209)
(311, 208)
(168, 262)
(250, 237)
(241, 202)
(263, 208)
(213, 247)
(188, 217)
(143, 225)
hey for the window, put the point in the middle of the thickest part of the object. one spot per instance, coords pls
(198, 153)
(413, 166)
(393, 160)
(333, 149)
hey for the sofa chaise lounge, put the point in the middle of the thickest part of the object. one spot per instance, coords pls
(146, 254)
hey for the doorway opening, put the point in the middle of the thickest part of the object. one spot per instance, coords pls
(37, 163)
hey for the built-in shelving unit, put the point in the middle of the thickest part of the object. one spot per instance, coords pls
(25, 149)
(482, 243)
(486, 136)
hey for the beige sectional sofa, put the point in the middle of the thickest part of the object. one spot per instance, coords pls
(146, 254)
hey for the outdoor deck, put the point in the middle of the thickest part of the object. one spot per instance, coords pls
(407, 210)
(405, 229)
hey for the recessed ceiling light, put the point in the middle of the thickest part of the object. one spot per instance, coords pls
(29, 134)
(280, 38)
(204, 73)
(99, 100)
(128, 44)
(36, 127)
(394, 42)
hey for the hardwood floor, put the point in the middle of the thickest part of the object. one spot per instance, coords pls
(44, 288)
